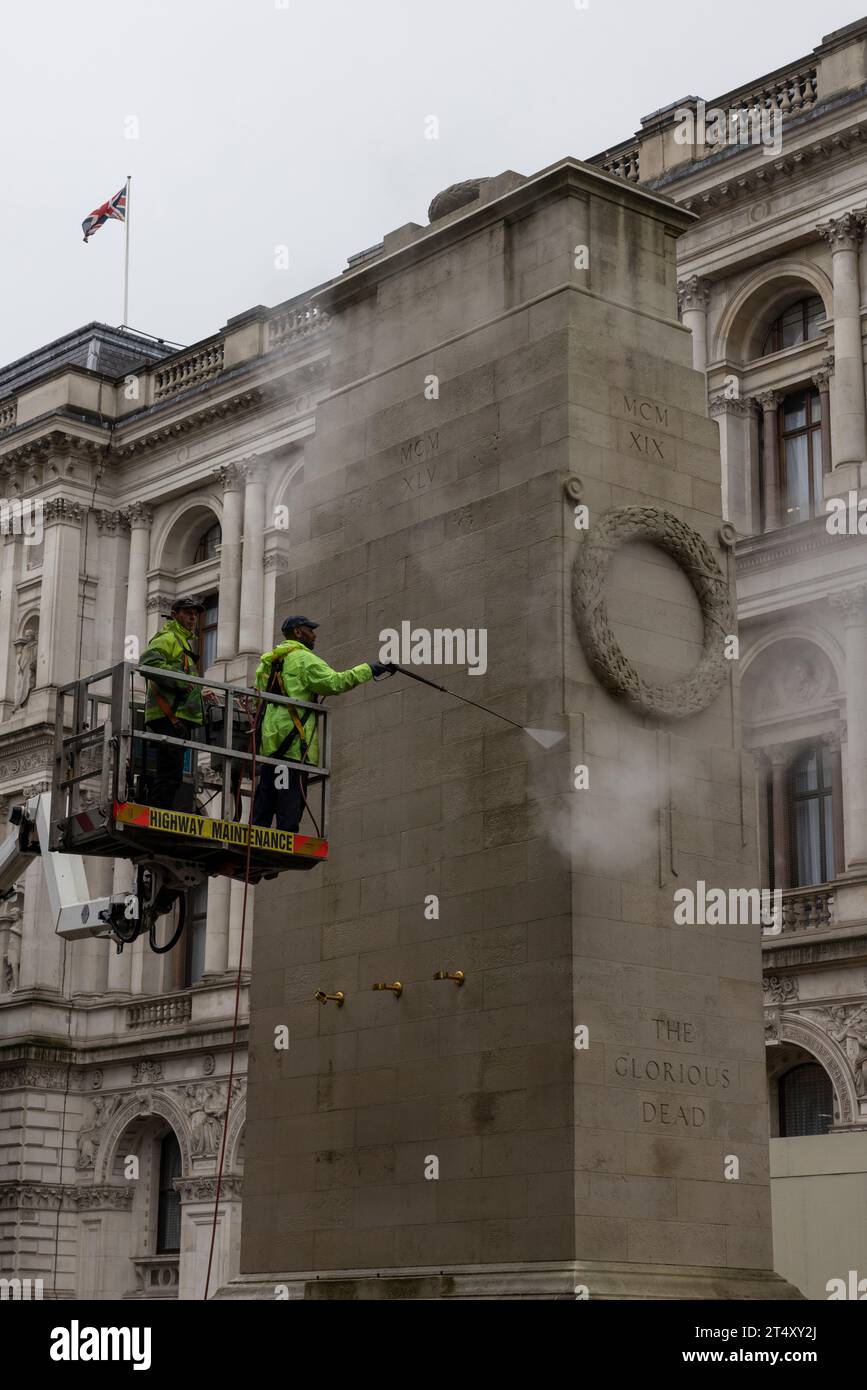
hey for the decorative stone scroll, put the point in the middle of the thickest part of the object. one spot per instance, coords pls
(691, 693)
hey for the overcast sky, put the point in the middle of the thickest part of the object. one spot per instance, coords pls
(301, 123)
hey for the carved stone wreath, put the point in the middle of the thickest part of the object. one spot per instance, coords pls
(691, 693)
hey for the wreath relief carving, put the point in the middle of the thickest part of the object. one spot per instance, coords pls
(688, 694)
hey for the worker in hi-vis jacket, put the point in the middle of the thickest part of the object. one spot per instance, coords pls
(293, 670)
(173, 707)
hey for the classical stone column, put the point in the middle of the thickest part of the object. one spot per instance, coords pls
(843, 235)
(232, 480)
(693, 297)
(252, 577)
(59, 617)
(275, 564)
(779, 756)
(822, 382)
(9, 569)
(734, 415)
(120, 962)
(217, 927)
(113, 560)
(772, 483)
(236, 911)
(140, 518)
(852, 605)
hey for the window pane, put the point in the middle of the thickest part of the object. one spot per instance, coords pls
(805, 774)
(797, 506)
(806, 1101)
(815, 316)
(169, 1209)
(828, 816)
(818, 471)
(792, 326)
(808, 857)
(794, 412)
(197, 907)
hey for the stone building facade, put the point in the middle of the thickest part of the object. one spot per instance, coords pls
(162, 470)
(773, 284)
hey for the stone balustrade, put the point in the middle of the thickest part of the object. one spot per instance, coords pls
(790, 93)
(188, 369)
(808, 909)
(622, 162)
(159, 1013)
(297, 321)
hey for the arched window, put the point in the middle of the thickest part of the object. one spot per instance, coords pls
(208, 542)
(169, 1201)
(798, 323)
(806, 1101)
(811, 817)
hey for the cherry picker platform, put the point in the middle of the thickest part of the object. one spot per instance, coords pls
(98, 803)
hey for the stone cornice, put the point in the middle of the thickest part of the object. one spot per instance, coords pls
(759, 552)
(210, 414)
(56, 441)
(747, 182)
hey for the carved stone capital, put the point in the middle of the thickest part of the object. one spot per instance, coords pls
(693, 293)
(140, 515)
(159, 603)
(61, 510)
(843, 233)
(821, 379)
(204, 1189)
(275, 561)
(767, 400)
(110, 523)
(851, 604)
(740, 406)
(231, 478)
(252, 469)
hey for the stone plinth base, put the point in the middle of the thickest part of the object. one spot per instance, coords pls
(548, 1281)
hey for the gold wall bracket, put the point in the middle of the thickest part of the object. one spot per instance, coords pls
(457, 975)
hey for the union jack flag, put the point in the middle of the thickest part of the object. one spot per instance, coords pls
(114, 208)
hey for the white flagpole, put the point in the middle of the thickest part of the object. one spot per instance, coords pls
(126, 256)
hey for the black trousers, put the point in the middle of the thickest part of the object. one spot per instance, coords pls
(161, 786)
(286, 802)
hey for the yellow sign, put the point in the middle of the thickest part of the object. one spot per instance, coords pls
(225, 832)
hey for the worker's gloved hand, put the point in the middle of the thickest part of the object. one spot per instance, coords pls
(382, 668)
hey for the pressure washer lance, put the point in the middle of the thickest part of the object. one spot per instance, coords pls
(545, 737)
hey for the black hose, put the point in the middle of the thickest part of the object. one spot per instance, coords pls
(152, 929)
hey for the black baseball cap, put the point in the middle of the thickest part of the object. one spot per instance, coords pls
(296, 621)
